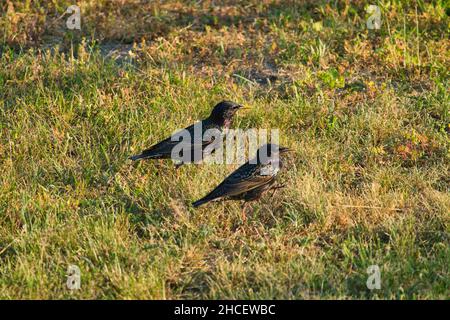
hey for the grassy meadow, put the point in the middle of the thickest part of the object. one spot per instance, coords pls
(366, 111)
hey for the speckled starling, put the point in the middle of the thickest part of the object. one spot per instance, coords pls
(252, 179)
(220, 120)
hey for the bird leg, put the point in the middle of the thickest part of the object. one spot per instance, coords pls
(243, 215)
(178, 165)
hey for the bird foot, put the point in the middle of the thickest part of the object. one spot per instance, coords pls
(279, 187)
(275, 188)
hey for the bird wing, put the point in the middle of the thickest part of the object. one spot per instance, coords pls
(244, 179)
(165, 146)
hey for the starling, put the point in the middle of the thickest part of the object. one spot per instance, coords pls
(252, 179)
(220, 119)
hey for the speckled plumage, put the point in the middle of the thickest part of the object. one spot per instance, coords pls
(220, 119)
(250, 180)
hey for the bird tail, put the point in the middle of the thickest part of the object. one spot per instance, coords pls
(136, 157)
(198, 203)
(147, 154)
(212, 196)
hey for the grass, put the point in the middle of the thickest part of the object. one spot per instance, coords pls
(366, 112)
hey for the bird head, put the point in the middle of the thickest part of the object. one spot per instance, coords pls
(224, 111)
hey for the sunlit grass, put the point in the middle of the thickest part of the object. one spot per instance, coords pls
(366, 113)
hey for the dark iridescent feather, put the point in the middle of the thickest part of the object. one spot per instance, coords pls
(248, 182)
(220, 119)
